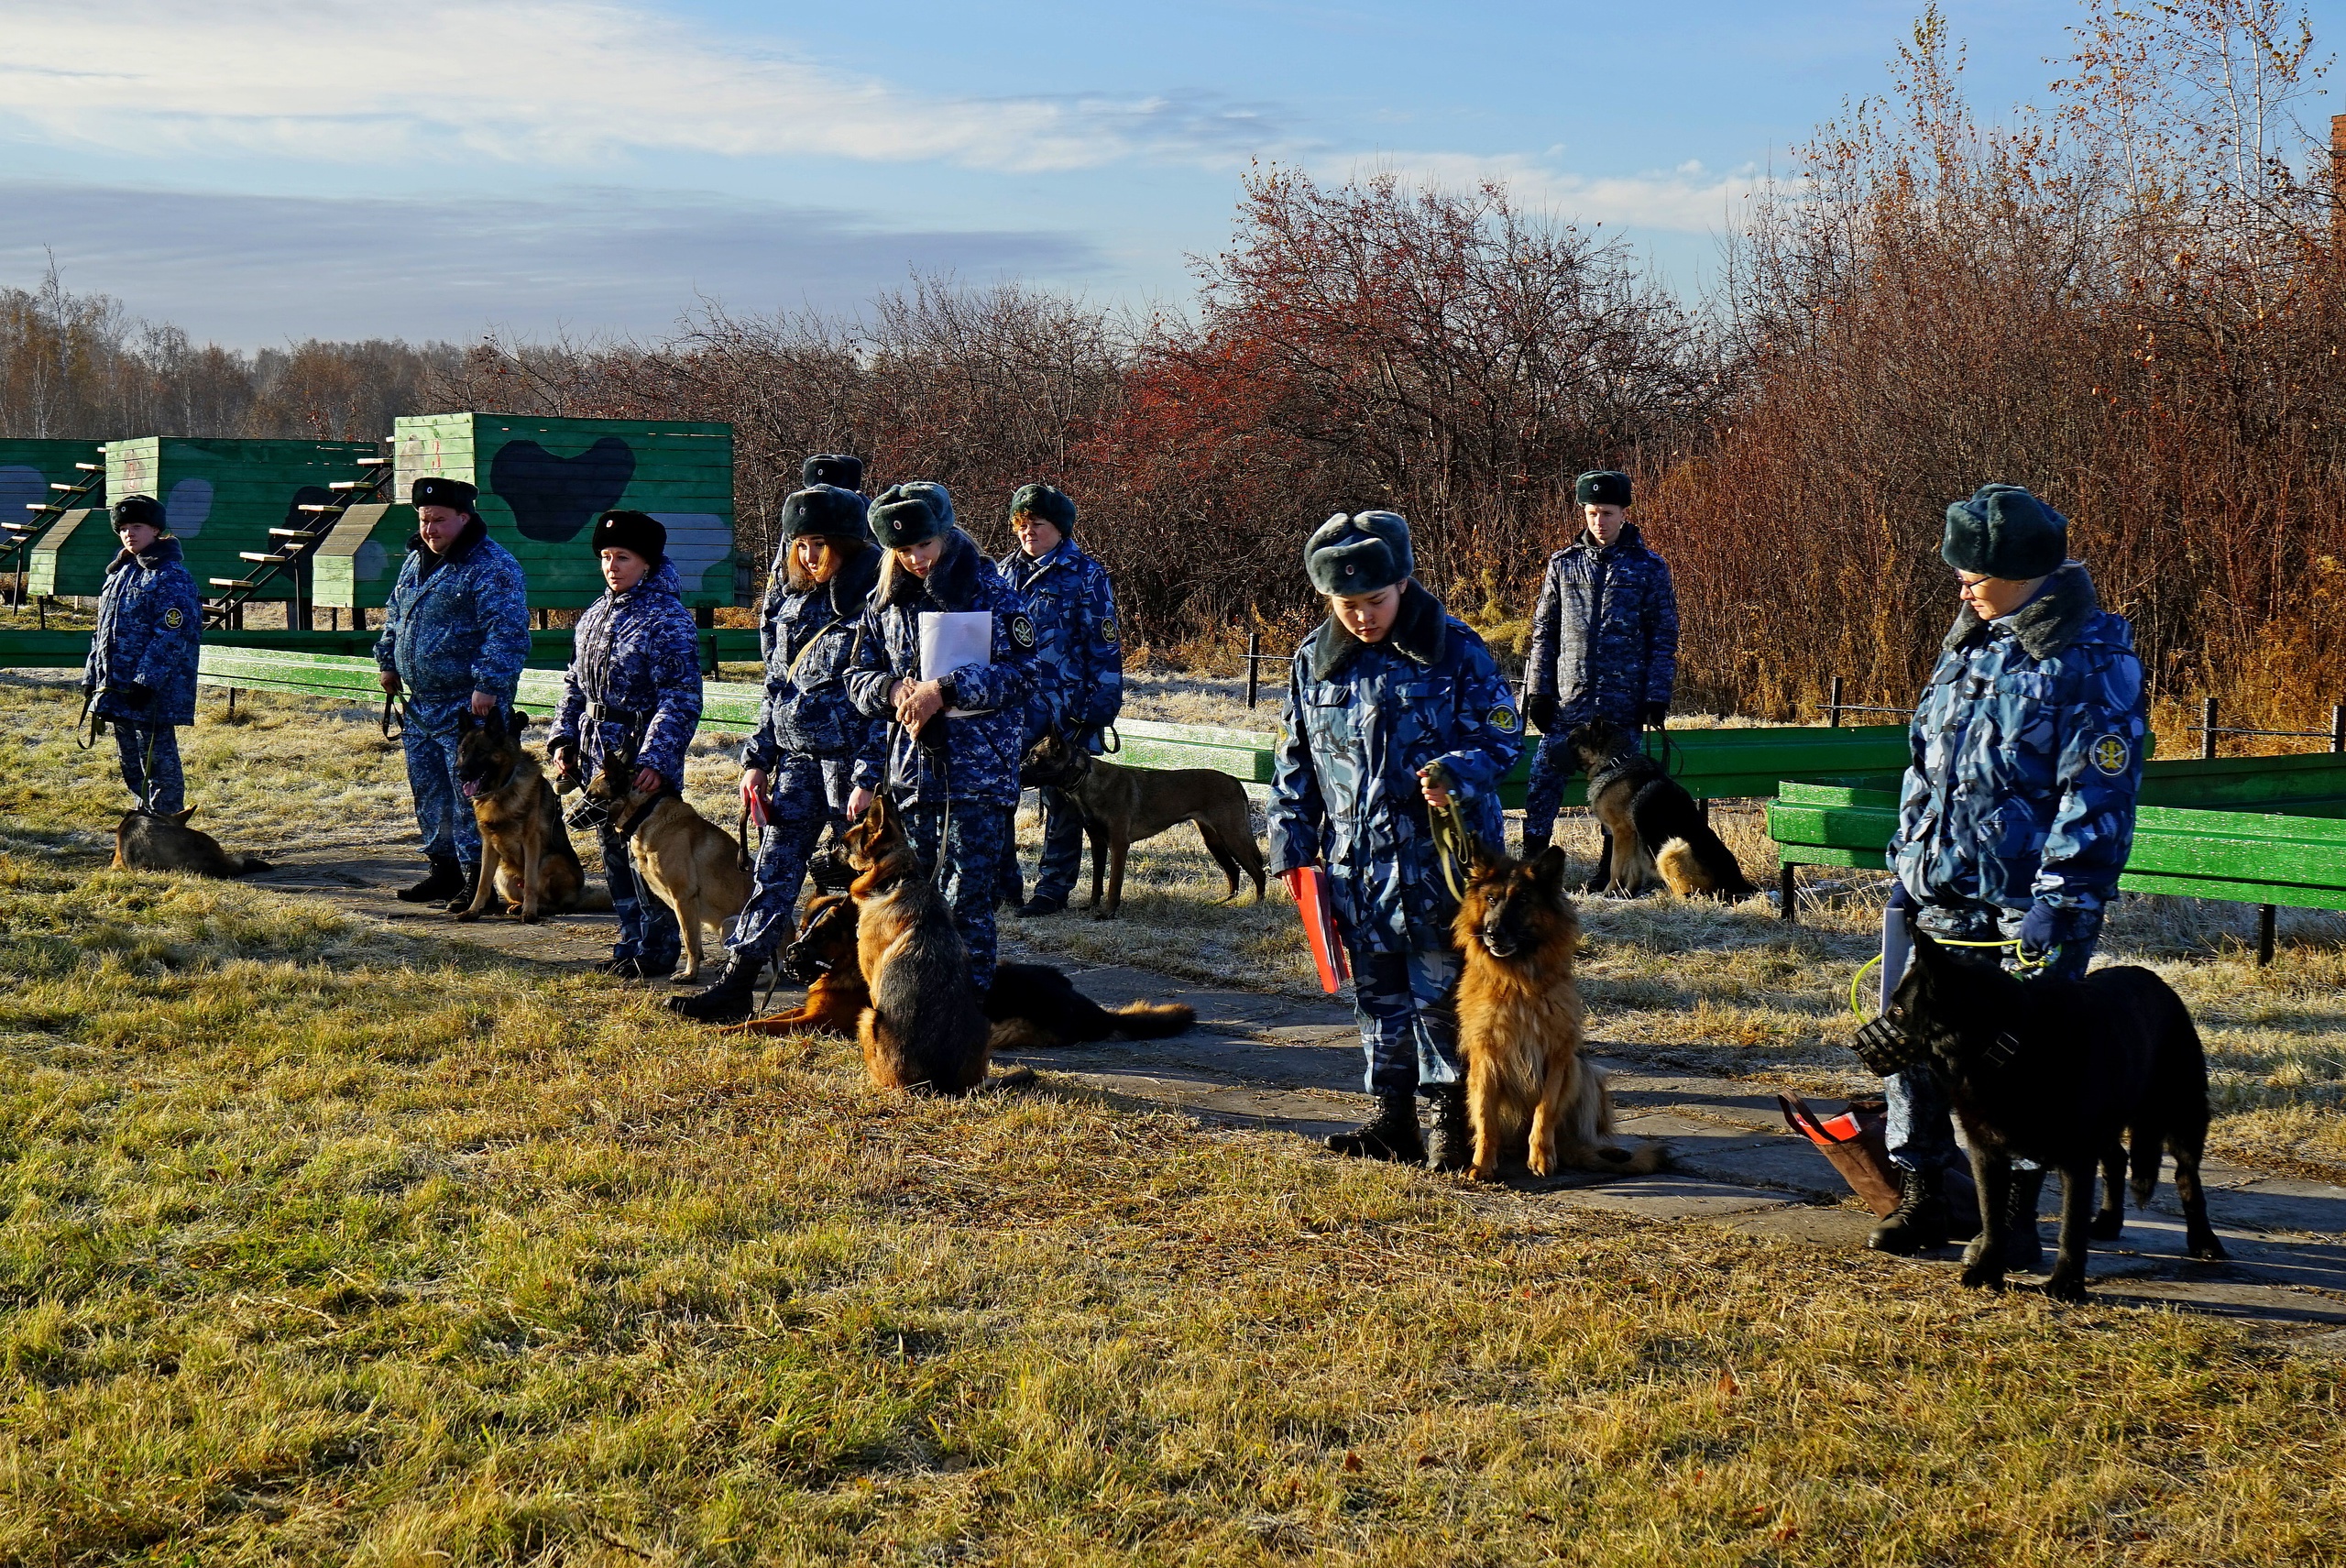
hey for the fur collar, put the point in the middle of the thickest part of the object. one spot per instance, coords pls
(431, 561)
(164, 551)
(952, 583)
(1626, 543)
(1421, 633)
(2046, 624)
(850, 589)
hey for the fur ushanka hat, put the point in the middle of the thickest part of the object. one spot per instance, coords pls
(1360, 554)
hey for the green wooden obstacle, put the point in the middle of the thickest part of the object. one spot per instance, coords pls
(542, 482)
(70, 556)
(222, 500)
(29, 649)
(35, 475)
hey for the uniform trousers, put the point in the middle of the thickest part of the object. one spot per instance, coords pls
(809, 794)
(132, 742)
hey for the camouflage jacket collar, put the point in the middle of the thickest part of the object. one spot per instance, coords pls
(2046, 624)
(1420, 634)
(1026, 570)
(1628, 541)
(428, 561)
(952, 583)
(164, 551)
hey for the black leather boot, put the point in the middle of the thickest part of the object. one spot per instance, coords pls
(1392, 1136)
(1919, 1222)
(464, 894)
(1452, 1148)
(1534, 844)
(733, 998)
(2023, 1249)
(1038, 907)
(446, 878)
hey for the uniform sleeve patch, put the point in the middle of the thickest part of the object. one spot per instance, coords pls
(1108, 632)
(1022, 630)
(1504, 718)
(174, 618)
(2110, 755)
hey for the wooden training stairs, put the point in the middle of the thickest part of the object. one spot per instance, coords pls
(292, 546)
(17, 536)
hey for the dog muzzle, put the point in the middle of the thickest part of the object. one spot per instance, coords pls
(590, 816)
(803, 966)
(1884, 1048)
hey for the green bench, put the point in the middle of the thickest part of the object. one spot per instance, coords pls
(33, 650)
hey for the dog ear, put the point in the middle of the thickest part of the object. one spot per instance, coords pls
(517, 722)
(1548, 870)
(180, 816)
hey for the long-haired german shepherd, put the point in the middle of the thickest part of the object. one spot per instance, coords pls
(1652, 827)
(1520, 1027)
(1031, 1006)
(526, 859)
(923, 1029)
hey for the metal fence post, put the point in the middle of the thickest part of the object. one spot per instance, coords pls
(2338, 728)
(2264, 914)
(2207, 730)
(1833, 706)
(1254, 665)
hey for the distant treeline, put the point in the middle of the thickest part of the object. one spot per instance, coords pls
(2133, 300)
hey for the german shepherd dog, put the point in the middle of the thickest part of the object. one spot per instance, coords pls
(923, 1029)
(145, 842)
(1519, 1022)
(686, 861)
(1031, 1006)
(526, 861)
(2057, 1072)
(1652, 827)
(1122, 806)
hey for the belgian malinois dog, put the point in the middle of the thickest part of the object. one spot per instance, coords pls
(2060, 1072)
(923, 1029)
(1653, 829)
(689, 863)
(526, 861)
(1122, 806)
(1519, 1020)
(143, 841)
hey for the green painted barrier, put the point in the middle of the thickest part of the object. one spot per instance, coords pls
(30, 649)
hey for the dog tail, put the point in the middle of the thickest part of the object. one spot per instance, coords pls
(1152, 1020)
(245, 865)
(1710, 870)
(1613, 1159)
(1580, 1144)
(2149, 1146)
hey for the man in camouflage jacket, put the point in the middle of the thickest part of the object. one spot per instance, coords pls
(455, 635)
(1603, 643)
(140, 676)
(2017, 810)
(1079, 671)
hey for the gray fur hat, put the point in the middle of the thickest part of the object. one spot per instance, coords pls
(1360, 554)
(2004, 531)
(905, 515)
(827, 510)
(1602, 487)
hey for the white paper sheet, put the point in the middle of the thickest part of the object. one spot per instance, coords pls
(952, 638)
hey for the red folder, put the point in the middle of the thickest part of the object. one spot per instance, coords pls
(1318, 914)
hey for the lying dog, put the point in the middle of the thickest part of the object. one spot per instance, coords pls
(2056, 1071)
(526, 861)
(143, 841)
(923, 1029)
(1520, 1027)
(1031, 1006)
(1652, 827)
(1121, 806)
(688, 861)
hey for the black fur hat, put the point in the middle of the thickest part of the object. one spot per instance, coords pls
(133, 509)
(909, 514)
(1049, 502)
(2004, 531)
(1359, 555)
(832, 469)
(827, 510)
(435, 491)
(1602, 487)
(639, 532)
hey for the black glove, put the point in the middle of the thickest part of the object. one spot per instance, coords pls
(2039, 931)
(1654, 715)
(130, 694)
(1541, 709)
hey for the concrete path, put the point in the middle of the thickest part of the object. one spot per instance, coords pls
(1294, 1065)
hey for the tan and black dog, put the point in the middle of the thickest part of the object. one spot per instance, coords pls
(1122, 806)
(1519, 1021)
(145, 843)
(689, 863)
(526, 861)
(1653, 829)
(923, 1029)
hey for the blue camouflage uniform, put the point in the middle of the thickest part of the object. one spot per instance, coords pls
(141, 670)
(1603, 645)
(960, 792)
(1079, 687)
(1362, 720)
(632, 693)
(456, 623)
(2026, 760)
(810, 737)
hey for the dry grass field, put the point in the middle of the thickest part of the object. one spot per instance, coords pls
(327, 1244)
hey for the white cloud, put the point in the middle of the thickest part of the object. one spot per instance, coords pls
(560, 82)
(1685, 199)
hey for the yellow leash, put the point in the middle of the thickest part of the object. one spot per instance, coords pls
(1873, 963)
(1450, 844)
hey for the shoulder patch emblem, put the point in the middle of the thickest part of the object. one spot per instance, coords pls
(1022, 630)
(2110, 755)
(1108, 632)
(1503, 717)
(174, 618)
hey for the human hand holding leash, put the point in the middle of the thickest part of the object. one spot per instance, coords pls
(753, 794)
(484, 704)
(859, 801)
(918, 702)
(648, 781)
(389, 681)
(2039, 934)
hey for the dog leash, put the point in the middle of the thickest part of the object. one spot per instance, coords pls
(2026, 966)
(1451, 846)
(391, 703)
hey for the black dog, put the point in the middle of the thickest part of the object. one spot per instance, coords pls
(1652, 827)
(2056, 1071)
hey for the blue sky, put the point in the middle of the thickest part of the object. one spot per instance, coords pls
(590, 167)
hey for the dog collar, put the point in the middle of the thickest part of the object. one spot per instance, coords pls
(636, 821)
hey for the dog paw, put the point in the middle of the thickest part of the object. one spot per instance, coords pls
(1485, 1173)
(1980, 1276)
(466, 916)
(2106, 1228)
(2066, 1287)
(529, 919)
(2209, 1251)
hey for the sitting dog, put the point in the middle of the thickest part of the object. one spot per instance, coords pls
(2056, 1071)
(526, 861)
(1652, 827)
(144, 841)
(1031, 1006)
(686, 861)
(1520, 1027)
(923, 1029)
(1122, 806)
